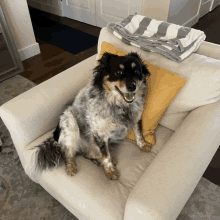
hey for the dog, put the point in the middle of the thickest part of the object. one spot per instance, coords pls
(101, 116)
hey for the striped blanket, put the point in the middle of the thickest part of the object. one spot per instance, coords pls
(173, 41)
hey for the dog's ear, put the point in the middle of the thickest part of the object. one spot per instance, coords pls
(145, 70)
(102, 69)
(103, 64)
(134, 54)
(106, 57)
(108, 62)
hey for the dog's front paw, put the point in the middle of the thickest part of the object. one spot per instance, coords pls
(112, 174)
(144, 146)
(71, 169)
(109, 167)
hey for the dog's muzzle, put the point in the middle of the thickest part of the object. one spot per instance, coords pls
(128, 96)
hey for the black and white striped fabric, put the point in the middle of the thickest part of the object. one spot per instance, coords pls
(173, 41)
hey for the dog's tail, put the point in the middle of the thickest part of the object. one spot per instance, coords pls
(49, 155)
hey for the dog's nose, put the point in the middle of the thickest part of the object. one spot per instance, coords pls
(131, 86)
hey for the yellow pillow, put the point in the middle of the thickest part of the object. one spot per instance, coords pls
(162, 87)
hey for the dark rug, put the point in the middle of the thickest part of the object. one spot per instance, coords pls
(23, 199)
(59, 35)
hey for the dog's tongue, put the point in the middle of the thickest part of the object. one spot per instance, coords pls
(129, 97)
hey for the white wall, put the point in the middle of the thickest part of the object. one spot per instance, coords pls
(182, 11)
(18, 18)
(51, 6)
(157, 9)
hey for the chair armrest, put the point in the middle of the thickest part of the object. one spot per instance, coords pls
(35, 112)
(209, 49)
(169, 181)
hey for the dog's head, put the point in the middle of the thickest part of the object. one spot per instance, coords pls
(122, 76)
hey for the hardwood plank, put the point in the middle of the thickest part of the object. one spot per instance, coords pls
(210, 24)
(41, 67)
(89, 29)
(54, 60)
(48, 51)
(38, 68)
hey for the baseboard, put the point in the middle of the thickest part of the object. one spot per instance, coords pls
(47, 8)
(29, 51)
(214, 4)
(191, 22)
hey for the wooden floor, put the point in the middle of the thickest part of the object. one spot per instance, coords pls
(53, 60)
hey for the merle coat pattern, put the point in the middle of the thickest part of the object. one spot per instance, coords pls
(101, 116)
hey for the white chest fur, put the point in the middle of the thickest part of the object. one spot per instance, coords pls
(104, 121)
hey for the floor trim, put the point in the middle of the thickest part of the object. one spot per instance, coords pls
(192, 21)
(29, 51)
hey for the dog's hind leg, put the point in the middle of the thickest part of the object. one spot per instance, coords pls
(69, 140)
(71, 166)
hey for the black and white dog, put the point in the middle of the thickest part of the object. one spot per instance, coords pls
(101, 115)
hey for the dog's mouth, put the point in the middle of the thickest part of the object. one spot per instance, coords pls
(128, 96)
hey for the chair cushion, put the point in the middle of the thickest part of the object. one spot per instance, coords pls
(90, 194)
(201, 72)
(162, 87)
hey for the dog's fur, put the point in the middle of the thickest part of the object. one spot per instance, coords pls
(101, 115)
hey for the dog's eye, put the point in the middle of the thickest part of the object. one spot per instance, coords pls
(118, 72)
(136, 71)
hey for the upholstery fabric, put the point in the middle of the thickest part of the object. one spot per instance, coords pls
(173, 175)
(90, 192)
(162, 87)
(197, 69)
